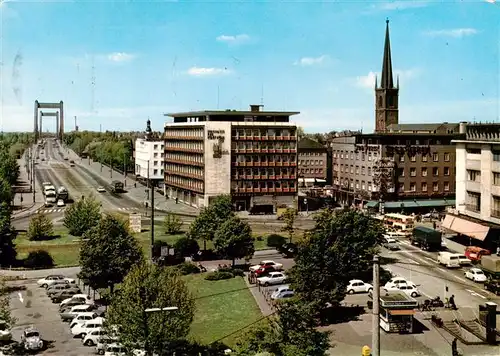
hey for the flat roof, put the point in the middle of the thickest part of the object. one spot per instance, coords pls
(232, 112)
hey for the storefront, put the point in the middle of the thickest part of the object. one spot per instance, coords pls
(396, 312)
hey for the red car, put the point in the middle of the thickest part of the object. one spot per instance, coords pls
(264, 270)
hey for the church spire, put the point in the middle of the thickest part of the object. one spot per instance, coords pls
(387, 81)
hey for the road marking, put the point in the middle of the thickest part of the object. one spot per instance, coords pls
(430, 259)
(476, 294)
(460, 278)
(20, 297)
(405, 242)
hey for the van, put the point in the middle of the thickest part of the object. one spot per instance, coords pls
(448, 259)
(464, 261)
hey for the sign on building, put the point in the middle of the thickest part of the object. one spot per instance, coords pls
(135, 222)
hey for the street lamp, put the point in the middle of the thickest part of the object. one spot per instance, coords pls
(146, 326)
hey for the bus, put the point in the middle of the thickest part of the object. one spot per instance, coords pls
(116, 186)
(399, 222)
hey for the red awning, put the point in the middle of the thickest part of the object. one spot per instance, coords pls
(465, 227)
(402, 312)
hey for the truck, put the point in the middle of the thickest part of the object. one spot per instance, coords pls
(49, 188)
(490, 265)
(50, 197)
(428, 239)
(116, 186)
(62, 193)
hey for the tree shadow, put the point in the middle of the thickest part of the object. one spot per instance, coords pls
(48, 238)
(388, 260)
(340, 314)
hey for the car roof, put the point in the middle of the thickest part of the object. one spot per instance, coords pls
(271, 273)
(267, 261)
(30, 329)
(355, 281)
(283, 287)
(475, 269)
(86, 313)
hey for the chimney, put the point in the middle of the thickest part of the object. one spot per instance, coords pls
(254, 108)
(462, 127)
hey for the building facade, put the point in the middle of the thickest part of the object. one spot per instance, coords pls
(251, 155)
(148, 156)
(313, 161)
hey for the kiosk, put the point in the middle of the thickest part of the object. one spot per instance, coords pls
(396, 311)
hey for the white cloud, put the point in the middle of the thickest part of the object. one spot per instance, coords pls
(207, 72)
(396, 5)
(233, 39)
(310, 61)
(456, 32)
(368, 81)
(120, 57)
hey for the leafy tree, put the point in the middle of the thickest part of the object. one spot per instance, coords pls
(5, 313)
(186, 246)
(108, 252)
(210, 219)
(9, 169)
(383, 178)
(172, 224)
(289, 216)
(40, 228)
(341, 245)
(149, 286)
(7, 236)
(6, 194)
(234, 239)
(292, 332)
(82, 216)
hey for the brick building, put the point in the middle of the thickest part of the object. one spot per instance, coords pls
(313, 162)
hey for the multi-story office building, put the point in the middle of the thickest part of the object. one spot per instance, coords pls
(477, 213)
(148, 155)
(313, 162)
(251, 155)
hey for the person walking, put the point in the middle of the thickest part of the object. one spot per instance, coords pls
(452, 302)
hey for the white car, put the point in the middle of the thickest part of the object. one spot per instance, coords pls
(5, 333)
(31, 339)
(81, 330)
(81, 298)
(101, 190)
(82, 318)
(282, 292)
(358, 286)
(408, 289)
(93, 337)
(53, 279)
(395, 282)
(60, 202)
(476, 275)
(277, 266)
(272, 278)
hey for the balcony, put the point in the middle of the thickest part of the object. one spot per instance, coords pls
(183, 162)
(293, 190)
(264, 164)
(279, 164)
(293, 164)
(278, 190)
(271, 177)
(279, 150)
(248, 176)
(256, 164)
(184, 186)
(183, 138)
(183, 149)
(256, 190)
(249, 190)
(239, 164)
(271, 164)
(286, 164)
(271, 150)
(292, 176)
(185, 174)
(286, 150)
(264, 150)
(286, 190)
(279, 176)
(293, 150)
(285, 176)
(263, 190)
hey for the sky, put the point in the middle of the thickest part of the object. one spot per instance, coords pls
(117, 63)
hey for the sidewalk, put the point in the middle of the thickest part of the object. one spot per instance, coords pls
(30, 202)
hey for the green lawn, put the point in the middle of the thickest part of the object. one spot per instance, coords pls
(222, 307)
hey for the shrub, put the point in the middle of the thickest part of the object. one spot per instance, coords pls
(275, 240)
(39, 259)
(40, 228)
(172, 224)
(186, 246)
(186, 268)
(259, 238)
(238, 272)
(218, 275)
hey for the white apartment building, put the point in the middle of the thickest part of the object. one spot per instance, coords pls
(149, 154)
(477, 212)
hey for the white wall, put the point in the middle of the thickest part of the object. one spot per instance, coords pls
(461, 177)
(144, 152)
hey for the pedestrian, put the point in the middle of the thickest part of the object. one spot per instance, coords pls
(452, 302)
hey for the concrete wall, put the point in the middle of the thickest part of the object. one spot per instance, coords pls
(144, 151)
(461, 177)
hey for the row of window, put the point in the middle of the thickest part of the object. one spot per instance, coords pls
(184, 132)
(473, 203)
(263, 184)
(156, 155)
(307, 162)
(345, 154)
(183, 157)
(435, 157)
(183, 182)
(424, 187)
(423, 171)
(184, 145)
(310, 154)
(412, 142)
(352, 169)
(193, 170)
(401, 189)
(257, 132)
(264, 159)
(477, 151)
(265, 171)
(263, 145)
(311, 171)
(363, 186)
(475, 176)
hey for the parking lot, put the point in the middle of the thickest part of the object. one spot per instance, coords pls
(32, 307)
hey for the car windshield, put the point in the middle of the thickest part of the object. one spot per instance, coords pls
(32, 334)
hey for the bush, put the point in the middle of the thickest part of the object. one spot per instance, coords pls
(40, 228)
(186, 247)
(259, 238)
(172, 224)
(186, 268)
(234, 271)
(275, 240)
(39, 259)
(218, 275)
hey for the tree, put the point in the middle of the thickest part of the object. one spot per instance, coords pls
(108, 252)
(5, 313)
(149, 286)
(292, 332)
(234, 239)
(40, 228)
(186, 246)
(7, 236)
(82, 216)
(172, 224)
(211, 218)
(289, 216)
(6, 194)
(383, 178)
(341, 245)
(9, 169)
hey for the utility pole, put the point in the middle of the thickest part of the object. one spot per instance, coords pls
(376, 308)
(152, 192)
(124, 170)
(110, 168)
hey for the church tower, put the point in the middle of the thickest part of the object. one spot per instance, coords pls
(386, 95)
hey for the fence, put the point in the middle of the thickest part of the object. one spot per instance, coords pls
(266, 292)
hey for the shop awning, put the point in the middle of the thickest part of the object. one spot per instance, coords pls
(465, 227)
(372, 204)
(402, 312)
(436, 203)
(401, 204)
(418, 203)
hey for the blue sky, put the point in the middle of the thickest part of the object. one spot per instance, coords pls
(116, 63)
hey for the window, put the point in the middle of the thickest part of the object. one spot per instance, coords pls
(446, 157)
(401, 172)
(446, 186)
(363, 170)
(495, 206)
(424, 187)
(413, 172)
(474, 176)
(424, 158)
(401, 158)
(496, 178)
(474, 151)
(413, 187)
(352, 169)
(435, 157)
(473, 201)
(435, 186)
(435, 171)
(155, 147)
(155, 154)
(357, 169)
(321, 162)
(496, 155)
(363, 187)
(424, 172)
(413, 158)
(369, 186)
(369, 171)
(446, 171)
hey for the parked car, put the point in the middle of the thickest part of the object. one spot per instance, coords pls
(5, 332)
(476, 275)
(410, 290)
(60, 203)
(395, 282)
(81, 298)
(53, 279)
(103, 342)
(272, 278)
(80, 330)
(277, 266)
(93, 337)
(57, 288)
(264, 271)
(288, 250)
(282, 292)
(82, 318)
(75, 311)
(101, 190)
(65, 294)
(31, 339)
(358, 286)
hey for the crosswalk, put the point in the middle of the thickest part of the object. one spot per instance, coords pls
(128, 209)
(48, 211)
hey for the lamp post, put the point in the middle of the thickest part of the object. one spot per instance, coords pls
(147, 311)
